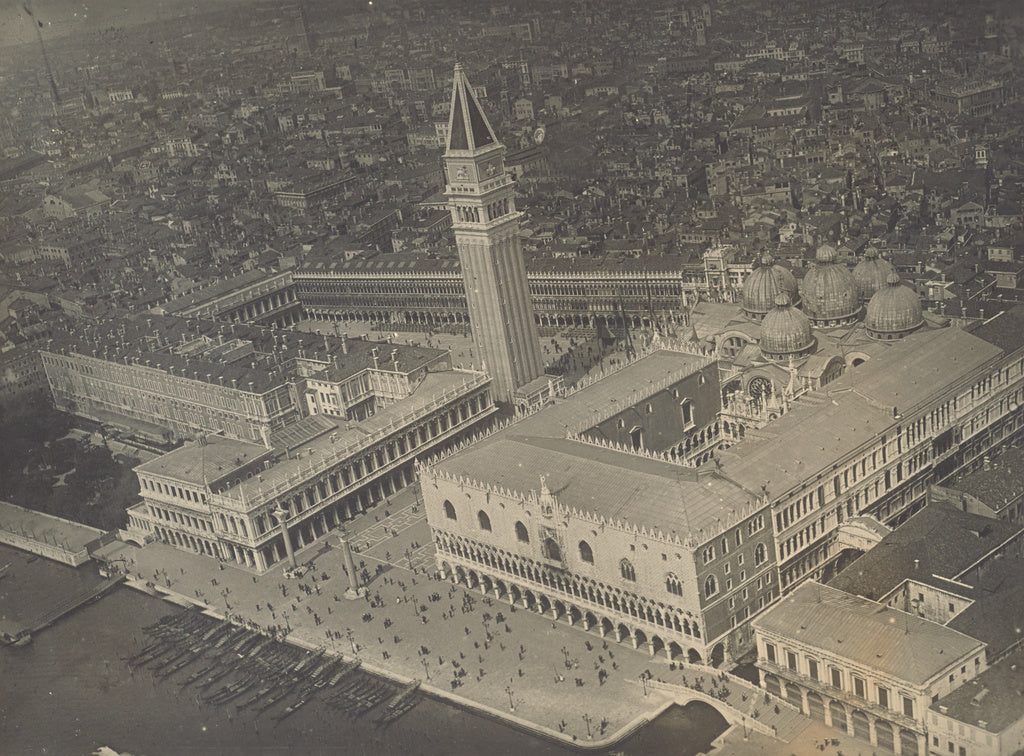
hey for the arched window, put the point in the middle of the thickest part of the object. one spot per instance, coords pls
(521, 533)
(449, 510)
(710, 586)
(627, 571)
(673, 585)
(760, 554)
(552, 550)
(484, 520)
(586, 554)
(686, 408)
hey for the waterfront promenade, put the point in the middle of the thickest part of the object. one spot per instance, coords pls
(476, 651)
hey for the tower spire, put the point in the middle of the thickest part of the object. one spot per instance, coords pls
(468, 127)
(481, 198)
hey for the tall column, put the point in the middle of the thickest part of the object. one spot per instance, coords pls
(354, 590)
(282, 517)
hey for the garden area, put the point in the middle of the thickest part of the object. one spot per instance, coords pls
(47, 466)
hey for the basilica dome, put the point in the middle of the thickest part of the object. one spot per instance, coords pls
(894, 310)
(829, 291)
(871, 273)
(763, 285)
(785, 331)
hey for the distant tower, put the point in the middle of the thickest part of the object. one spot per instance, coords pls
(486, 224)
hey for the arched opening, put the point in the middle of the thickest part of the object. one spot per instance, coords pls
(627, 570)
(760, 554)
(529, 600)
(693, 656)
(673, 585)
(908, 743)
(674, 650)
(449, 510)
(657, 644)
(710, 586)
(717, 654)
(543, 605)
(794, 695)
(486, 584)
(815, 706)
(771, 684)
(686, 412)
(636, 437)
(483, 520)
(861, 729)
(838, 714)
(515, 594)
(622, 632)
(884, 735)
(586, 554)
(607, 627)
(552, 550)
(521, 535)
(590, 619)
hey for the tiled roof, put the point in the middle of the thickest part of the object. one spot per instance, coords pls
(940, 539)
(992, 698)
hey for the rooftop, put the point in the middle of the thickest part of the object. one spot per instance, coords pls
(200, 464)
(40, 526)
(235, 355)
(824, 425)
(866, 633)
(940, 538)
(617, 485)
(1002, 483)
(347, 436)
(1005, 330)
(992, 700)
(218, 289)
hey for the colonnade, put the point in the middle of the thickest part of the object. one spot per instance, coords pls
(606, 610)
(887, 734)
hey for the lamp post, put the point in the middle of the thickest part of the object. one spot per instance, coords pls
(348, 634)
(426, 666)
(586, 718)
(409, 557)
(511, 705)
(643, 681)
(565, 653)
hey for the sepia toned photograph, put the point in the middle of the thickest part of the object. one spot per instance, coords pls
(504, 377)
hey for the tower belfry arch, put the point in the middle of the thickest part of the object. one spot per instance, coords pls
(481, 199)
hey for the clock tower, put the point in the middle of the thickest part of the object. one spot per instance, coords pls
(486, 224)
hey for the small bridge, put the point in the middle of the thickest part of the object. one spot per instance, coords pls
(740, 702)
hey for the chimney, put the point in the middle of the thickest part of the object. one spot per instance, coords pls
(375, 355)
(917, 563)
(234, 383)
(344, 343)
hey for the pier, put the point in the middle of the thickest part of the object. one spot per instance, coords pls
(19, 635)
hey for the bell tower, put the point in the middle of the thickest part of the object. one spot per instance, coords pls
(486, 224)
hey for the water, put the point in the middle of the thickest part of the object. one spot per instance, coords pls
(69, 692)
